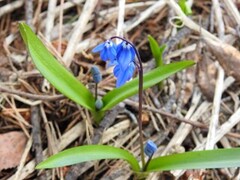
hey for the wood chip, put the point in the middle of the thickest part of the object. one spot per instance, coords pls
(12, 147)
(227, 56)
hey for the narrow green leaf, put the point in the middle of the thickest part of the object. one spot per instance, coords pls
(149, 79)
(161, 50)
(155, 50)
(220, 158)
(54, 72)
(185, 7)
(88, 153)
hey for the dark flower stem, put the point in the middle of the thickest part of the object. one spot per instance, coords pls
(96, 91)
(148, 161)
(140, 95)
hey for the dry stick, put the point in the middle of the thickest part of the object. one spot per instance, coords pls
(121, 18)
(60, 27)
(219, 83)
(23, 158)
(232, 10)
(36, 136)
(50, 19)
(37, 12)
(10, 7)
(78, 31)
(67, 5)
(132, 23)
(31, 96)
(215, 109)
(173, 41)
(167, 114)
(49, 26)
(29, 12)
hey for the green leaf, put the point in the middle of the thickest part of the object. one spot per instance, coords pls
(149, 79)
(54, 72)
(88, 153)
(161, 50)
(155, 50)
(220, 158)
(185, 7)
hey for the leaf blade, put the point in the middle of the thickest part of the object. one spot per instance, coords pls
(88, 153)
(54, 72)
(155, 50)
(218, 158)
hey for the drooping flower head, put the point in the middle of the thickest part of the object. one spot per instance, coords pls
(150, 148)
(121, 56)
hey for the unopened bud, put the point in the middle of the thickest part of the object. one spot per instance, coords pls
(96, 74)
(98, 104)
(150, 148)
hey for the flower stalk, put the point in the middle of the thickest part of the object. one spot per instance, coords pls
(140, 96)
(122, 56)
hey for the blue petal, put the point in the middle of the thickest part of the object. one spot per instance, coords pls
(119, 47)
(124, 58)
(111, 53)
(124, 76)
(132, 53)
(99, 47)
(117, 70)
(104, 54)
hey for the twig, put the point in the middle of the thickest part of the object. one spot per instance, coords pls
(173, 41)
(121, 18)
(31, 96)
(129, 25)
(78, 31)
(167, 114)
(50, 19)
(29, 12)
(36, 136)
(232, 9)
(60, 27)
(49, 26)
(23, 158)
(219, 83)
(11, 7)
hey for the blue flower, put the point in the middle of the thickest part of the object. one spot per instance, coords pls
(150, 148)
(121, 56)
(107, 51)
(123, 75)
(125, 54)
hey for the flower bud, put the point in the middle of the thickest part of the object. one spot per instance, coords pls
(98, 104)
(96, 74)
(150, 148)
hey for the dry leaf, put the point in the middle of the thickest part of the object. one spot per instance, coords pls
(227, 56)
(12, 147)
(206, 76)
